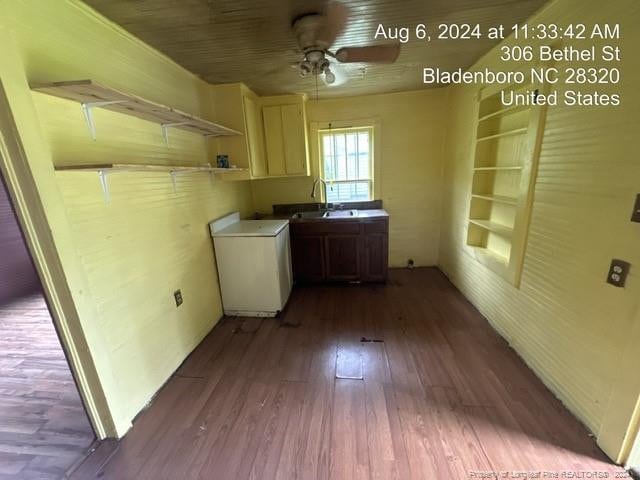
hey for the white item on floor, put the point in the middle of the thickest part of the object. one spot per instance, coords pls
(254, 265)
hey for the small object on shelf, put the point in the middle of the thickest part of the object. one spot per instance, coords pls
(222, 161)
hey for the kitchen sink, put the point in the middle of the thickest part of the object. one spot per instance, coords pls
(341, 213)
(326, 214)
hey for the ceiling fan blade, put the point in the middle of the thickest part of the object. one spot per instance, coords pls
(372, 54)
(334, 20)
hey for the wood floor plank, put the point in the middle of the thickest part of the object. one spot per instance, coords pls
(439, 396)
(349, 446)
(283, 424)
(44, 429)
(382, 460)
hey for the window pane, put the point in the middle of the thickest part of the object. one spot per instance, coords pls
(346, 158)
(352, 160)
(348, 192)
(363, 155)
(327, 150)
(339, 157)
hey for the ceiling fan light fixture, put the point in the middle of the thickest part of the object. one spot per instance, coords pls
(305, 68)
(329, 77)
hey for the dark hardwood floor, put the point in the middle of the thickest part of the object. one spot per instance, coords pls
(404, 381)
(44, 429)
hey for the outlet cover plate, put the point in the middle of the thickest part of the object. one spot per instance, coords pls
(635, 216)
(177, 295)
(618, 272)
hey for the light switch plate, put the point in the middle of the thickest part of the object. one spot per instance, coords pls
(618, 272)
(635, 216)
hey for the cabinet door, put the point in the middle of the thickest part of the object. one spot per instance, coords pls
(375, 257)
(274, 140)
(295, 142)
(343, 257)
(307, 257)
(255, 140)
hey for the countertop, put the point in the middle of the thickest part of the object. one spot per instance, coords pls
(366, 214)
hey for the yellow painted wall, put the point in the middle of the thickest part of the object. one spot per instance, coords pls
(568, 325)
(412, 130)
(148, 241)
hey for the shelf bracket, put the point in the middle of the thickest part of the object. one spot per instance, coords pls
(87, 111)
(165, 130)
(104, 183)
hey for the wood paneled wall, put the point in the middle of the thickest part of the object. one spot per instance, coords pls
(148, 240)
(569, 325)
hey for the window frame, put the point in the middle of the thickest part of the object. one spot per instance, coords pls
(370, 129)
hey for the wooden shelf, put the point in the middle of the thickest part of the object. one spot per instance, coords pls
(104, 170)
(497, 169)
(91, 94)
(490, 258)
(497, 228)
(497, 198)
(516, 131)
(128, 167)
(504, 111)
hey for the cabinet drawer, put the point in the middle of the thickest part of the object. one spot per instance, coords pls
(378, 226)
(313, 228)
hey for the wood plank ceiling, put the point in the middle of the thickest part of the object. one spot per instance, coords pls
(251, 41)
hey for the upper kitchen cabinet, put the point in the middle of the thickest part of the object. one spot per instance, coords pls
(240, 107)
(285, 134)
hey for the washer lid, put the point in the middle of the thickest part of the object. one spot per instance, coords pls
(252, 228)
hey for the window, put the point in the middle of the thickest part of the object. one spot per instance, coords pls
(347, 163)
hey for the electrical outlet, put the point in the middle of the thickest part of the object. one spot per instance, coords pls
(618, 272)
(177, 295)
(635, 216)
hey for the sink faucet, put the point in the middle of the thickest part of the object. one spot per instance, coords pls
(324, 185)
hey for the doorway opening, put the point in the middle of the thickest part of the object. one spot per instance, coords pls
(43, 422)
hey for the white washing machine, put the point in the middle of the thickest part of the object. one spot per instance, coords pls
(254, 265)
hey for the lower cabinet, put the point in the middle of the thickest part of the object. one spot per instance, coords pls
(342, 257)
(307, 254)
(340, 251)
(375, 258)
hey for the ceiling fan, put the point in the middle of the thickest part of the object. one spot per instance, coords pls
(316, 33)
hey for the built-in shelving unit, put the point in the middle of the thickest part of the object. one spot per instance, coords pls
(507, 145)
(93, 95)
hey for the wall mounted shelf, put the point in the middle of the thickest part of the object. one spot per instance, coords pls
(105, 169)
(494, 227)
(516, 131)
(498, 169)
(503, 111)
(497, 198)
(93, 95)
